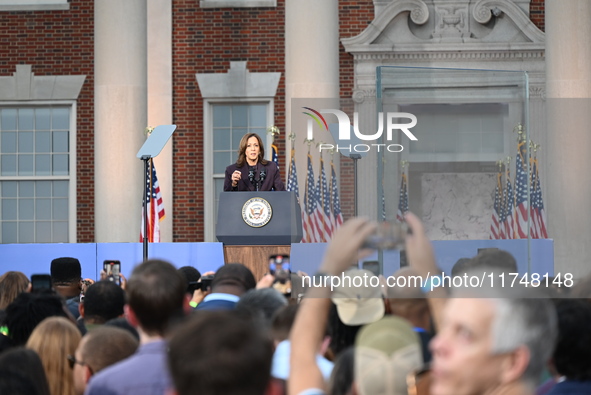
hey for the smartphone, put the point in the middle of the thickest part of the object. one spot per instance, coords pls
(112, 269)
(40, 282)
(388, 236)
(280, 267)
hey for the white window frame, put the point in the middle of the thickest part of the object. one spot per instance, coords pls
(34, 5)
(210, 215)
(71, 178)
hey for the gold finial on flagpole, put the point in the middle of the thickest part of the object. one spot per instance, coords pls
(148, 131)
(508, 161)
(309, 142)
(273, 130)
(520, 132)
(500, 164)
(291, 136)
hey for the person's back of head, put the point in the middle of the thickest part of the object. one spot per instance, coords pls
(461, 266)
(341, 335)
(66, 276)
(571, 356)
(156, 295)
(233, 278)
(282, 322)
(499, 260)
(54, 340)
(191, 276)
(107, 345)
(220, 352)
(11, 285)
(27, 311)
(22, 373)
(103, 301)
(65, 270)
(261, 304)
(524, 319)
(343, 373)
(407, 299)
(98, 349)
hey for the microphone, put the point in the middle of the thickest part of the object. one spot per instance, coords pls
(251, 170)
(263, 174)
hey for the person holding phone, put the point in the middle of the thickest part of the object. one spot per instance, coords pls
(252, 172)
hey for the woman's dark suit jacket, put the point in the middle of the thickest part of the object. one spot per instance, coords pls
(272, 180)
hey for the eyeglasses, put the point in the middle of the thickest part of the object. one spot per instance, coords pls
(73, 361)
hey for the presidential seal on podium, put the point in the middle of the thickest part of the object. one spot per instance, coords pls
(256, 212)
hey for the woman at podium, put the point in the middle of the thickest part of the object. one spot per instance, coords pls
(252, 172)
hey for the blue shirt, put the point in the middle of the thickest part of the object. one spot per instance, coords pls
(571, 387)
(144, 373)
(218, 301)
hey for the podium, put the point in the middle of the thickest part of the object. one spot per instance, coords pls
(254, 225)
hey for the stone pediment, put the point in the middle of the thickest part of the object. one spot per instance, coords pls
(448, 25)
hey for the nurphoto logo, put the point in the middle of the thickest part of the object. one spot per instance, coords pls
(344, 133)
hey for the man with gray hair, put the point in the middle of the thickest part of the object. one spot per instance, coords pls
(492, 345)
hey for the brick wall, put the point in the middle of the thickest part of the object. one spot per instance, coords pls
(60, 43)
(536, 13)
(205, 41)
(354, 17)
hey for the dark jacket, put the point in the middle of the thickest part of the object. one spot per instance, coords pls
(272, 178)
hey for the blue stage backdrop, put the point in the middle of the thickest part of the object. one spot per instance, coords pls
(36, 258)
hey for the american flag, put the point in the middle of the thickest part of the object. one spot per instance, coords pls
(274, 155)
(311, 228)
(292, 178)
(538, 215)
(324, 202)
(521, 187)
(509, 208)
(337, 216)
(533, 229)
(495, 233)
(403, 199)
(155, 205)
(503, 214)
(292, 185)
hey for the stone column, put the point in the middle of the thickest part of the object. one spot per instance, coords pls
(160, 98)
(120, 111)
(568, 79)
(311, 71)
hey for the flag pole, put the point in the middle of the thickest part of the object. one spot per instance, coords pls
(148, 131)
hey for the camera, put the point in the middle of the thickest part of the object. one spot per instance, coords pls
(203, 285)
(388, 236)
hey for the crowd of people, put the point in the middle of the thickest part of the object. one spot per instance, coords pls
(171, 330)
